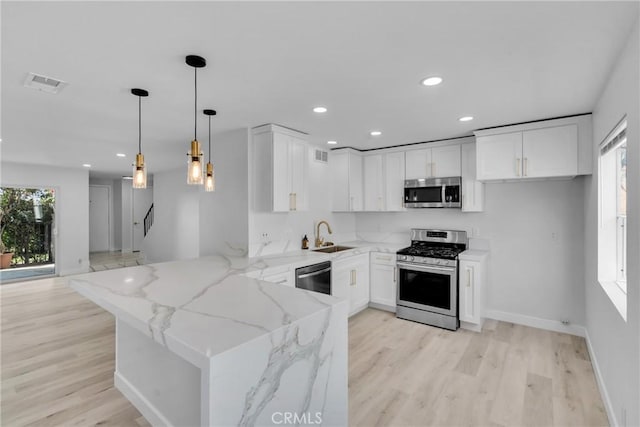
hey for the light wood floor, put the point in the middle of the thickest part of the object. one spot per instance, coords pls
(58, 361)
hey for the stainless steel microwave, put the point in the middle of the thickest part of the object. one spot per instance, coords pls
(433, 193)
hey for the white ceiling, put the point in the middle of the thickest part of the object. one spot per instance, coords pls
(502, 62)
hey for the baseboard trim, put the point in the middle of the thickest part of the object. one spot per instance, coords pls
(148, 411)
(536, 322)
(601, 387)
(384, 307)
(73, 271)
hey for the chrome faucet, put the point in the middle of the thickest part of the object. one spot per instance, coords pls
(319, 240)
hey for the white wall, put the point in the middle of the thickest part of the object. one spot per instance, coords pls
(72, 209)
(112, 208)
(189, 222)
(224, 214)
(285, 229)
(174, 234)
(616, 343)
(534, 230)
(117, 214)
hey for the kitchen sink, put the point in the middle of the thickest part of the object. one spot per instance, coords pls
(332, 249)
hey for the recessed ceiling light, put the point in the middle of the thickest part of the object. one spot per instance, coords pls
(86, 165)
(466, 118)
(332, 142)
(121, 155)
(375, 133)
(431, 81)
(319, 109)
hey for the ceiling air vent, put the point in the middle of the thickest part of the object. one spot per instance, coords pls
(321, 156)
(43, 83)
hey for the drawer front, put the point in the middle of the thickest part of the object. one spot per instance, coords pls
(383, 258)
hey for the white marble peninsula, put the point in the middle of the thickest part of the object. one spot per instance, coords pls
(198, 343)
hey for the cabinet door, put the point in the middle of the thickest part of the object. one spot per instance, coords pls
(340, 183)
(383, 284)
(499, 156)
(340, 281)
(469, 291)
(550, 152)
(394, 181)
(281, 173)
(418, 164)
(359, 283)
(373, 183)
(445, 161)
(472, 190)
(355, 201)
(298, 159)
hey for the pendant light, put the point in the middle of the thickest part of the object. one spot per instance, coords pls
(210, 180)
(139, 168)
(194, 170)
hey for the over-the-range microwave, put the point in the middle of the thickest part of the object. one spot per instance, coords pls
(433, 193)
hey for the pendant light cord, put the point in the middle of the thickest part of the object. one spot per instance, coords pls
(209, 139)
(139, 125)
(195, 104)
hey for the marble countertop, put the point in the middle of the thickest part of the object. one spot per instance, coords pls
(202, 307)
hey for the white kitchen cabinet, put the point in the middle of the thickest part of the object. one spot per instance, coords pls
(383, 281)
(280, 158)
(394, 164)
(284, 278)
(373, 183)
(384, 182)
(472, 189)
(473, 278)
(533, 153)
(350, 279)
(550, 152)
(436, 162)
(346, 178)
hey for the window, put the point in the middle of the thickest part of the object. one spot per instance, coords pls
(612, 230)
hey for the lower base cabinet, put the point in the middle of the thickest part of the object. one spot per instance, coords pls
(383, 281)
(472, 281)
(350, 280)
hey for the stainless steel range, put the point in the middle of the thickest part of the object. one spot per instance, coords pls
(428, 277)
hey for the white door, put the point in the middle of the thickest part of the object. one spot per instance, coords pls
(142, 200)
(99, 221)
(394, 181)
(499, 156)
(550, 151)
(446, 161)
(418, 164)
(373, 187)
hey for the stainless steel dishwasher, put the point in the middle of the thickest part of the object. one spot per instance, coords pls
(316, 277)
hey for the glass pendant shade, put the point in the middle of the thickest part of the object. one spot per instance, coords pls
(194, 171)
(210, 180)
(139, 172)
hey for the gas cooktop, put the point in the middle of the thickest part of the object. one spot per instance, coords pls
(426, 249)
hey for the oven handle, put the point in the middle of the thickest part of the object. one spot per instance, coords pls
(425, 268)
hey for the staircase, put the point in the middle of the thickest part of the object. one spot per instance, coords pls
(148, 220)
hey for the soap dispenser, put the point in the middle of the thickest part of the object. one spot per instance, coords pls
(305, 242)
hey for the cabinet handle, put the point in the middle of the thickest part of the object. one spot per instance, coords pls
(517, 166)
(525, 162)
(395, 273)
(384, 258)
(290, 201)
(379, 203)
(433, 169)
(351, 203)
(281, 281)
(468, 277)
(353, 278)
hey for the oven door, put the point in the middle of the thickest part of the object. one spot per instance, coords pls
(430, 288)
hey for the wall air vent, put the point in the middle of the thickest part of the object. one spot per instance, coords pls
(321, 156)
(43, 83)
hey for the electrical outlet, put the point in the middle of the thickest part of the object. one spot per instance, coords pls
(264, 237)
(565, 322)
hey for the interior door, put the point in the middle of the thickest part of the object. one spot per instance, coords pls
(99, 219)
(142, 199)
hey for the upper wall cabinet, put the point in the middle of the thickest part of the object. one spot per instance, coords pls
(472, 189)
(433, 162)
(384, 182)
(547, 149)
(280, 158)
(346, 179)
